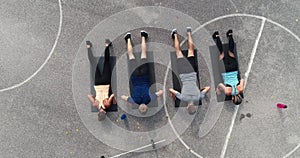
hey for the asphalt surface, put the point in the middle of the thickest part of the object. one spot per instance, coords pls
(46, 113)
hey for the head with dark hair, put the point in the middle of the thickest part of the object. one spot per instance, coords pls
(237, 99)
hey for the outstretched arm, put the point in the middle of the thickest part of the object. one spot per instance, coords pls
(93, 101)
(175, 93)
(241, 86)
(220, 87)
(157, 95)
(205, 89)
(112, 99)
(127, 99)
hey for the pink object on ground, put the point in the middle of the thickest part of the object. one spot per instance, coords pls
(281, 106)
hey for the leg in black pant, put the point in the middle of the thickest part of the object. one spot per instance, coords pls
(91, 57)
(104, 78)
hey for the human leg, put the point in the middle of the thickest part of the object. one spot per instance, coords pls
(129, 46)
(231, 43)
(144, 36)
(190, 42)
(106, 74)
(176, 44)
(104, 77)
(218, 42)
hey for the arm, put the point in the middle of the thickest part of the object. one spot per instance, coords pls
(241, 86)
(93, 101)
(173, 93)
(156, 95)
(127, 98)
(205, 89)
(112, 99)
(220, 87)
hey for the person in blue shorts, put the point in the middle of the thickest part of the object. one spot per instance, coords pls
(140, 77)
(233, 84)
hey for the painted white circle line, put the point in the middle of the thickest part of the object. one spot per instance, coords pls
(49, 56)
(200, 27)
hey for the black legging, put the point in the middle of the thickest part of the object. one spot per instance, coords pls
(230, 63)
(103, 78)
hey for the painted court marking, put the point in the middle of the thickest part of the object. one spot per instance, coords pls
(264, 19)
(137, 149)
(49, 56)
(246, 78)
(291, 152)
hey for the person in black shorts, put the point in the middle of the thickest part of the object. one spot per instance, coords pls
(233, 84)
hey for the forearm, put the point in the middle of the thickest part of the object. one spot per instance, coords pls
(173, 91)
(111, 98)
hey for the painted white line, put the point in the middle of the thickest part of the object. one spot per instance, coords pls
(137, 149)
(291, 152)
(254, 51)
(246, 78)
(49, 56)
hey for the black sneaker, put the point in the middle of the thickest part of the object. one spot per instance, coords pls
(229, 33)
(174, 31)
(215, 35)
(108, 43)
(189, 29)
(128, 35)
(88, 44)
(144, 34)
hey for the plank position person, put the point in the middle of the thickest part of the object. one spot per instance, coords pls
(187, 73)
(233, 85)
(102, 100)
(140, 76)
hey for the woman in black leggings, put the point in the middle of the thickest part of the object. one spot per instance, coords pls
(104, 97)
(233, 85)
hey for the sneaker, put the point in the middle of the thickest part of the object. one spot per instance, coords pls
(108, 43)
(174, 31)
(229, 33)
(144, 34)
(215, 35)
(128, 35)
(189, 29)
(88, 44)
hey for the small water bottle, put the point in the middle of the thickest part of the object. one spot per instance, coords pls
(281, 106)
(123, 116)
